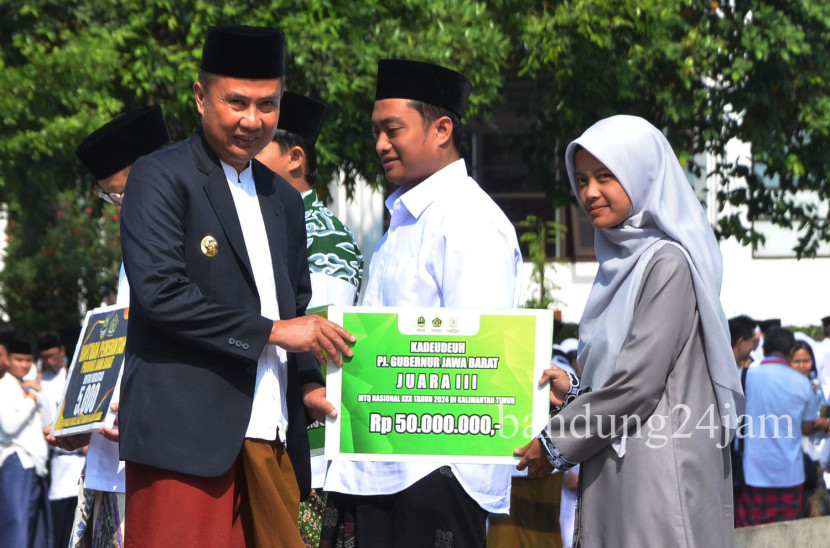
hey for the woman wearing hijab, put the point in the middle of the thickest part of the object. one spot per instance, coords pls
(656, 405)
(803, 360)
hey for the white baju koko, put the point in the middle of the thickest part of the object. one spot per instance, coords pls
(24, 511)
(65, 467)
(448, 245)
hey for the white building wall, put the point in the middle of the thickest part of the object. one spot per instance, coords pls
(363, 215)
(790, 289)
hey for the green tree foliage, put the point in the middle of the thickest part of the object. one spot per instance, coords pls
(76, 264)
(706, 72)
(539, 235)
(68, 66)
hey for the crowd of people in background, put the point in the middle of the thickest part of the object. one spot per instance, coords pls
(783, 477)
(38, 483)
(780, 454)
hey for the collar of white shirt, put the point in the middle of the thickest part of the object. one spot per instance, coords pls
(419, 197)
(244, 178)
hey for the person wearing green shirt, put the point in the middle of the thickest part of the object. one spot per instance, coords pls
(334, 257)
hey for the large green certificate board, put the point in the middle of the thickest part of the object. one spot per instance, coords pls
(442, 384)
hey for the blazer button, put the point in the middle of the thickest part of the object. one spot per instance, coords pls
(239, 344)
(245, 346)
(231, 341)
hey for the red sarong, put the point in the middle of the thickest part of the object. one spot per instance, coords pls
(759, 505)
(255, 503)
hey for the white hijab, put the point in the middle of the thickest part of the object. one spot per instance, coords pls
(664, 210)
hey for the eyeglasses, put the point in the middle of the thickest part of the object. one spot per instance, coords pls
(110, 197)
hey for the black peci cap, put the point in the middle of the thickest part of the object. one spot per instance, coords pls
(825, 321)
(239, 51)
(425, 82)
(302, 115)
(123, 140)
(19, 346)
(48, 340)
(6, 336)
(765, 325)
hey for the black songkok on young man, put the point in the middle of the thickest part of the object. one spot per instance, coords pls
(766, 325)
(302, 115)
(425, 82)
(48, 340)
(19, 346)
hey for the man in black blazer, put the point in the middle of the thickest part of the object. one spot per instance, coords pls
(220, 356)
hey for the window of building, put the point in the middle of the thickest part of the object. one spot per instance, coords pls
(495, 163)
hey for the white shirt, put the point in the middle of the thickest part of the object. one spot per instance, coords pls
(783, 395)
(122, 297)
(65, 467)
(269, 411)
(824, 457)
(327, 290)
(104, 470)
(21, 425)
(822, 351)
(448, 244)
(53, 384)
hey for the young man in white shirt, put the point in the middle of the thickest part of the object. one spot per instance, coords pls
(24, 411)
(448, 245)
(65, 467)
